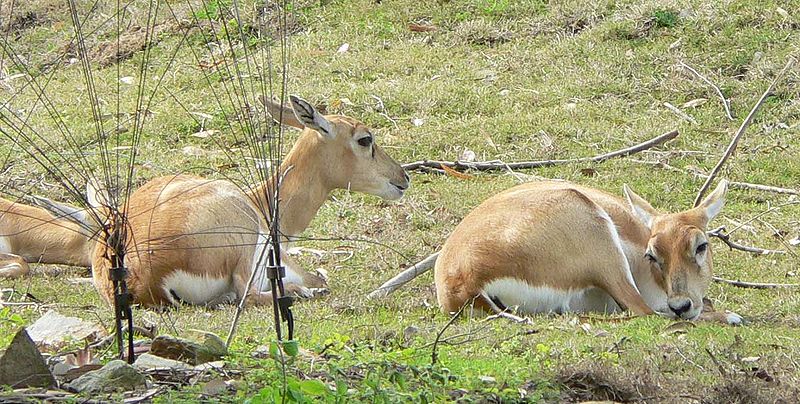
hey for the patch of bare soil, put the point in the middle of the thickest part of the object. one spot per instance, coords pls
(596, 382)
(592, 382)
(482, 32)
(16, 15)
(742, 389)
(134, 39)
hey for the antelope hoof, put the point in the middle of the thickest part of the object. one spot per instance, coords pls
(302, 292)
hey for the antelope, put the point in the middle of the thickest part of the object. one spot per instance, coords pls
(197, 241)
(31, 234)
(555, 247)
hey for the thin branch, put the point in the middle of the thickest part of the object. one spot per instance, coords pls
(735, 141)
(726, 238)
(733, 184)
(677, 111)
(725, 102)
(404, 277)
(501, 166)
(434, 352)
(756, 285)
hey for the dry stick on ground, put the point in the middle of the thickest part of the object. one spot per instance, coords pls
(501, 166)
(404, 277)
(732, 184)
(735, 141)
(726, 238)
(677, 111)
(725, 103)
(756, 285)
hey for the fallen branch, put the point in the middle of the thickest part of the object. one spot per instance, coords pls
(404, 277)
(501, 166)
(733, 184)
(756, 285)
(725, 103)
(726, 238)
(735, 141)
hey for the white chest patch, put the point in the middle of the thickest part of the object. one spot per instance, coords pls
(541, 299)
(195, 289)
(5, 248)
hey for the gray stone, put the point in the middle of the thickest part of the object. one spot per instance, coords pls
(114, 376)
(148, 361)
(211, 349)
(22, 365)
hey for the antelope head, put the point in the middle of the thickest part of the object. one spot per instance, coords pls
(678, 251)
(350, 156)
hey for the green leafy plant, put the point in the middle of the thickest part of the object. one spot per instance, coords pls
(665, 18)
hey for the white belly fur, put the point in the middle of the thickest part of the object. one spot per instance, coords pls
(5, 248)
(541, 299)
(195, 289)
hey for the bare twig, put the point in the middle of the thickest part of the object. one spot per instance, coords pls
(756, 285)
(677, 111)
(508, 316)
(719, 233)
(404, 277)
(434, 352)
(735, 141)
(501, 166)
(725, 102)
(716, 362)
(733, 184)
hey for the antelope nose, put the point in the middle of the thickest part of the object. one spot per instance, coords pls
(404, 186)
(680, 305)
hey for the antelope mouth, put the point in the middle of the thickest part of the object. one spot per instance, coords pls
(397, 191)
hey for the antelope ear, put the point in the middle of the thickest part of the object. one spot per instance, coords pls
(640, 207)
(96, 196)
(280, 113)
(714, 202)
(310, 117)
(62, 210)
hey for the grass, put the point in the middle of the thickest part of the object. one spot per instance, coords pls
(511, 81)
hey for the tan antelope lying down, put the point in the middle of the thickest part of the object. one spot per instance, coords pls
(30, 234)
(556, 247)
(195, 240)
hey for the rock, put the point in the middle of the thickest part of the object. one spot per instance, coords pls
(114, 376)
(22, 365)
(410, 332)
(52, 331)
(215, 387)
(211, 349)
(148, 362)
(487, 379)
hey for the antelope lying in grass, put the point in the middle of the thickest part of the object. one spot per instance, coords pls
(30, 234)
(557, 247)
(197, 240)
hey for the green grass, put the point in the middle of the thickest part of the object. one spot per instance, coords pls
(509, 80)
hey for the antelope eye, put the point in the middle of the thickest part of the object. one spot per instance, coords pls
(701, 249)
(651, 258)
(365, 141)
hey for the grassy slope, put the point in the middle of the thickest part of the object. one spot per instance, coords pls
(511, 81)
